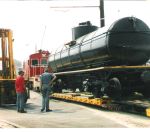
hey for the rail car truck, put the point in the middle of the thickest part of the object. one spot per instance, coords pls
(7, 69)
(34, 67)
(107, 61)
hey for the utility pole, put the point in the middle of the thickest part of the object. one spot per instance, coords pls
(102, 17)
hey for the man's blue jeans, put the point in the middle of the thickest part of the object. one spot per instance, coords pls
(20, 101)
(45, 97)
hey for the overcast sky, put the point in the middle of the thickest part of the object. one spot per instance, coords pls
(36, 25)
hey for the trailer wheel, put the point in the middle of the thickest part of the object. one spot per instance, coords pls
(114, 89)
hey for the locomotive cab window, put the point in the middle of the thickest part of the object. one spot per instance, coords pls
(44, 62)
(34, 62)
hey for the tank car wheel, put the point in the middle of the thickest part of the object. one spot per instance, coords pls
(146, 92)
(96, 92)
(81, 89)
(114, 88)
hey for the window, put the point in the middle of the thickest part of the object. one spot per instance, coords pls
(44, 62)
(34, 62)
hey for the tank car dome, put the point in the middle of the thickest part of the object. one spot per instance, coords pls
(128, 24)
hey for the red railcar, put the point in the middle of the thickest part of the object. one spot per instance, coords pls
(34, 67)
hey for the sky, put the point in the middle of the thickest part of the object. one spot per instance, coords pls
(36, 25)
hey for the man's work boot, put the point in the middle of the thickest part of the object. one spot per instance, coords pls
(48, 110)
(23, 111)
(42, 110)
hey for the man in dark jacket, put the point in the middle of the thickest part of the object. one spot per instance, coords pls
(20, 90)
(46, 81)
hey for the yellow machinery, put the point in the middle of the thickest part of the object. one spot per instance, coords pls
(7, 68)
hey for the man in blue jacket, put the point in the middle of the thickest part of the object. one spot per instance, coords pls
(46, 81)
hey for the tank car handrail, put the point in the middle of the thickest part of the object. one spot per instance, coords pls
(82, 39)
(69, 55)
(128, 31)
(55, 59)
(60, 54)
(80, 54)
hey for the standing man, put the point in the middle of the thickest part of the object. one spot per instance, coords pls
(46, 81)
(20, 90)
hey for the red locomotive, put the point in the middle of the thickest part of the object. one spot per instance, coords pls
(34, 67)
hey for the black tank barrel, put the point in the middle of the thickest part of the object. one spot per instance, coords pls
(125, 42)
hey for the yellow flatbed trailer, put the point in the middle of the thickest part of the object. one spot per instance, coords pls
(81, 98)
(105, 103)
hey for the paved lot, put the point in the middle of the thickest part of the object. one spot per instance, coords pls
(67, 115)
(7, 124)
